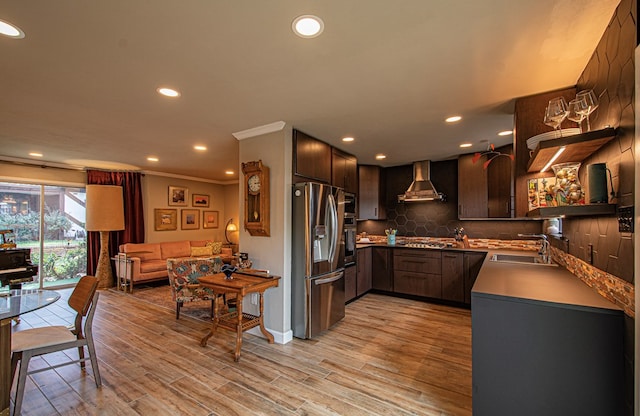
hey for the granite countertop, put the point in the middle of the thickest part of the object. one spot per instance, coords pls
(537, 283)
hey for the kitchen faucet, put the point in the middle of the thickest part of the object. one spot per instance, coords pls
(544, 247)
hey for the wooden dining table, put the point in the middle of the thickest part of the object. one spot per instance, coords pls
(13, 304)
(241, 284)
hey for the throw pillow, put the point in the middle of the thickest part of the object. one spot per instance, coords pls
(216, 247)
(201, 251)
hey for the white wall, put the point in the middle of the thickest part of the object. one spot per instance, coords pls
(274, 252)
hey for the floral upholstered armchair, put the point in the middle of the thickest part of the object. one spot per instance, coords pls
(183, 278)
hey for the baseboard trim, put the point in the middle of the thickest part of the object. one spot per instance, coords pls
(278, 337)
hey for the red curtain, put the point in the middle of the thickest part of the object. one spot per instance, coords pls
(133, 214)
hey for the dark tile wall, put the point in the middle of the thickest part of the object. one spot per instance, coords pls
(434, 218)
(611, 73)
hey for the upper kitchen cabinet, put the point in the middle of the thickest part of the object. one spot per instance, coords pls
(344, 171)
(371, 193)
(311, 158)
(485, 193)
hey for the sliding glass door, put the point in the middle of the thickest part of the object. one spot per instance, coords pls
(49, 220)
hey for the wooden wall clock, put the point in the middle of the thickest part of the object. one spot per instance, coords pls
(256, 198)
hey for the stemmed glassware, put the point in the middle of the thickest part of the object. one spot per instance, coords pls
(556, 113)
(576, 112)
(589, 103)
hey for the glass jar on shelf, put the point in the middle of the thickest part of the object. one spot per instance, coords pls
(567, 189)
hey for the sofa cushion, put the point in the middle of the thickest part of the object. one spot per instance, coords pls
(199, 243)
(175, 249)
(144, 251)
(201, 251)
(153, 265)
(216, 247)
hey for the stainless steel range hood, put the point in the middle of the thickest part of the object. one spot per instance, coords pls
(421, 189)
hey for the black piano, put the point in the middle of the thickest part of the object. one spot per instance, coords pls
(16, 267)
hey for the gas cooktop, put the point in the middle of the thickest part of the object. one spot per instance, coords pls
(428, 244)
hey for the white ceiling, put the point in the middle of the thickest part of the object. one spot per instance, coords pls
(80, 87)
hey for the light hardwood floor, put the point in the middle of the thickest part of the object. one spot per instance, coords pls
(389, 356)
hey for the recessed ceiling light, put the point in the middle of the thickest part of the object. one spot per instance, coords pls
(152, 159)
(466, 145)
(347, 139)
(35, 154)
(168, 92)
(307, 26)
(453, 119)
(380, 156)
(505, 133)
(10, 30)
(200, 147)
(229, 172)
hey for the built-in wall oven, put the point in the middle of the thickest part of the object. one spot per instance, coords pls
(349, 229)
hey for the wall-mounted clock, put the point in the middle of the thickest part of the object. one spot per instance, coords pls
(256, 198)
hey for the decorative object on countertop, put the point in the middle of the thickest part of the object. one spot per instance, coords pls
(462, 241)
(567, 190)
(391, 236)
(228, 271)
(491, 154)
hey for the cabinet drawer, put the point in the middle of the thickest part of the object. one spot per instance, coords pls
(418, 264)
(419, 284)
(417, 252)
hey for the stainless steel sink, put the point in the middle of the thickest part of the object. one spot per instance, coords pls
(520, 259)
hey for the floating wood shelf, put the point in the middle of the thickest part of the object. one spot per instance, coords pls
(591, 210)
(577, 148)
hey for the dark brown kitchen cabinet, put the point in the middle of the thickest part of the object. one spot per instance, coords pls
(311, 158)
(344, 171)
(363, 262)
(381, 269)
(417, 272)
(485, 193)
(350, 283)
(370, 193)
(453, 276)
(472, 264)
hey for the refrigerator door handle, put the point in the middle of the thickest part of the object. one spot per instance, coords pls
(333, 218)
(332, 278)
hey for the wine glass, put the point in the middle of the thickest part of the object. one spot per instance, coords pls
(575, 109)
(556, 113)
(590, 104)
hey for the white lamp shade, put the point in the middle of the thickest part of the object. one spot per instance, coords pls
(105, 208)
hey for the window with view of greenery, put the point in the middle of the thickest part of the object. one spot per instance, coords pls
(50, 221)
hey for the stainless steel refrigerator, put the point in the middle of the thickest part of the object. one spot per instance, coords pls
(317, 272)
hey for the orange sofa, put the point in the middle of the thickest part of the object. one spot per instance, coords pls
(148, 261)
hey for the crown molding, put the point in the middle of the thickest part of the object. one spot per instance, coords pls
(260, 130)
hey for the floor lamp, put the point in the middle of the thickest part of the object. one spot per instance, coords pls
(105, 213)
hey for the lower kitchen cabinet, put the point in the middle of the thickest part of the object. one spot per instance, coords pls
(472, 264)
(349, 283)
(363, 278)
(533, 358)
(453, 276)
(417, 272)
(381, 269)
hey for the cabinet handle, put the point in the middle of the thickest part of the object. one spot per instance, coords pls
(375, 212)
(460, 210)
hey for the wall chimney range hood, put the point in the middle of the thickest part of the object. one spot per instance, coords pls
(421, 189)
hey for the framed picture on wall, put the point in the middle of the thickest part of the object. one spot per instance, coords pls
(209, 219)
(190, 219)
(178, 196)
(165, 219)
(200, 200)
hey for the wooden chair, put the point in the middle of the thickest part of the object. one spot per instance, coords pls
(38, 341)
